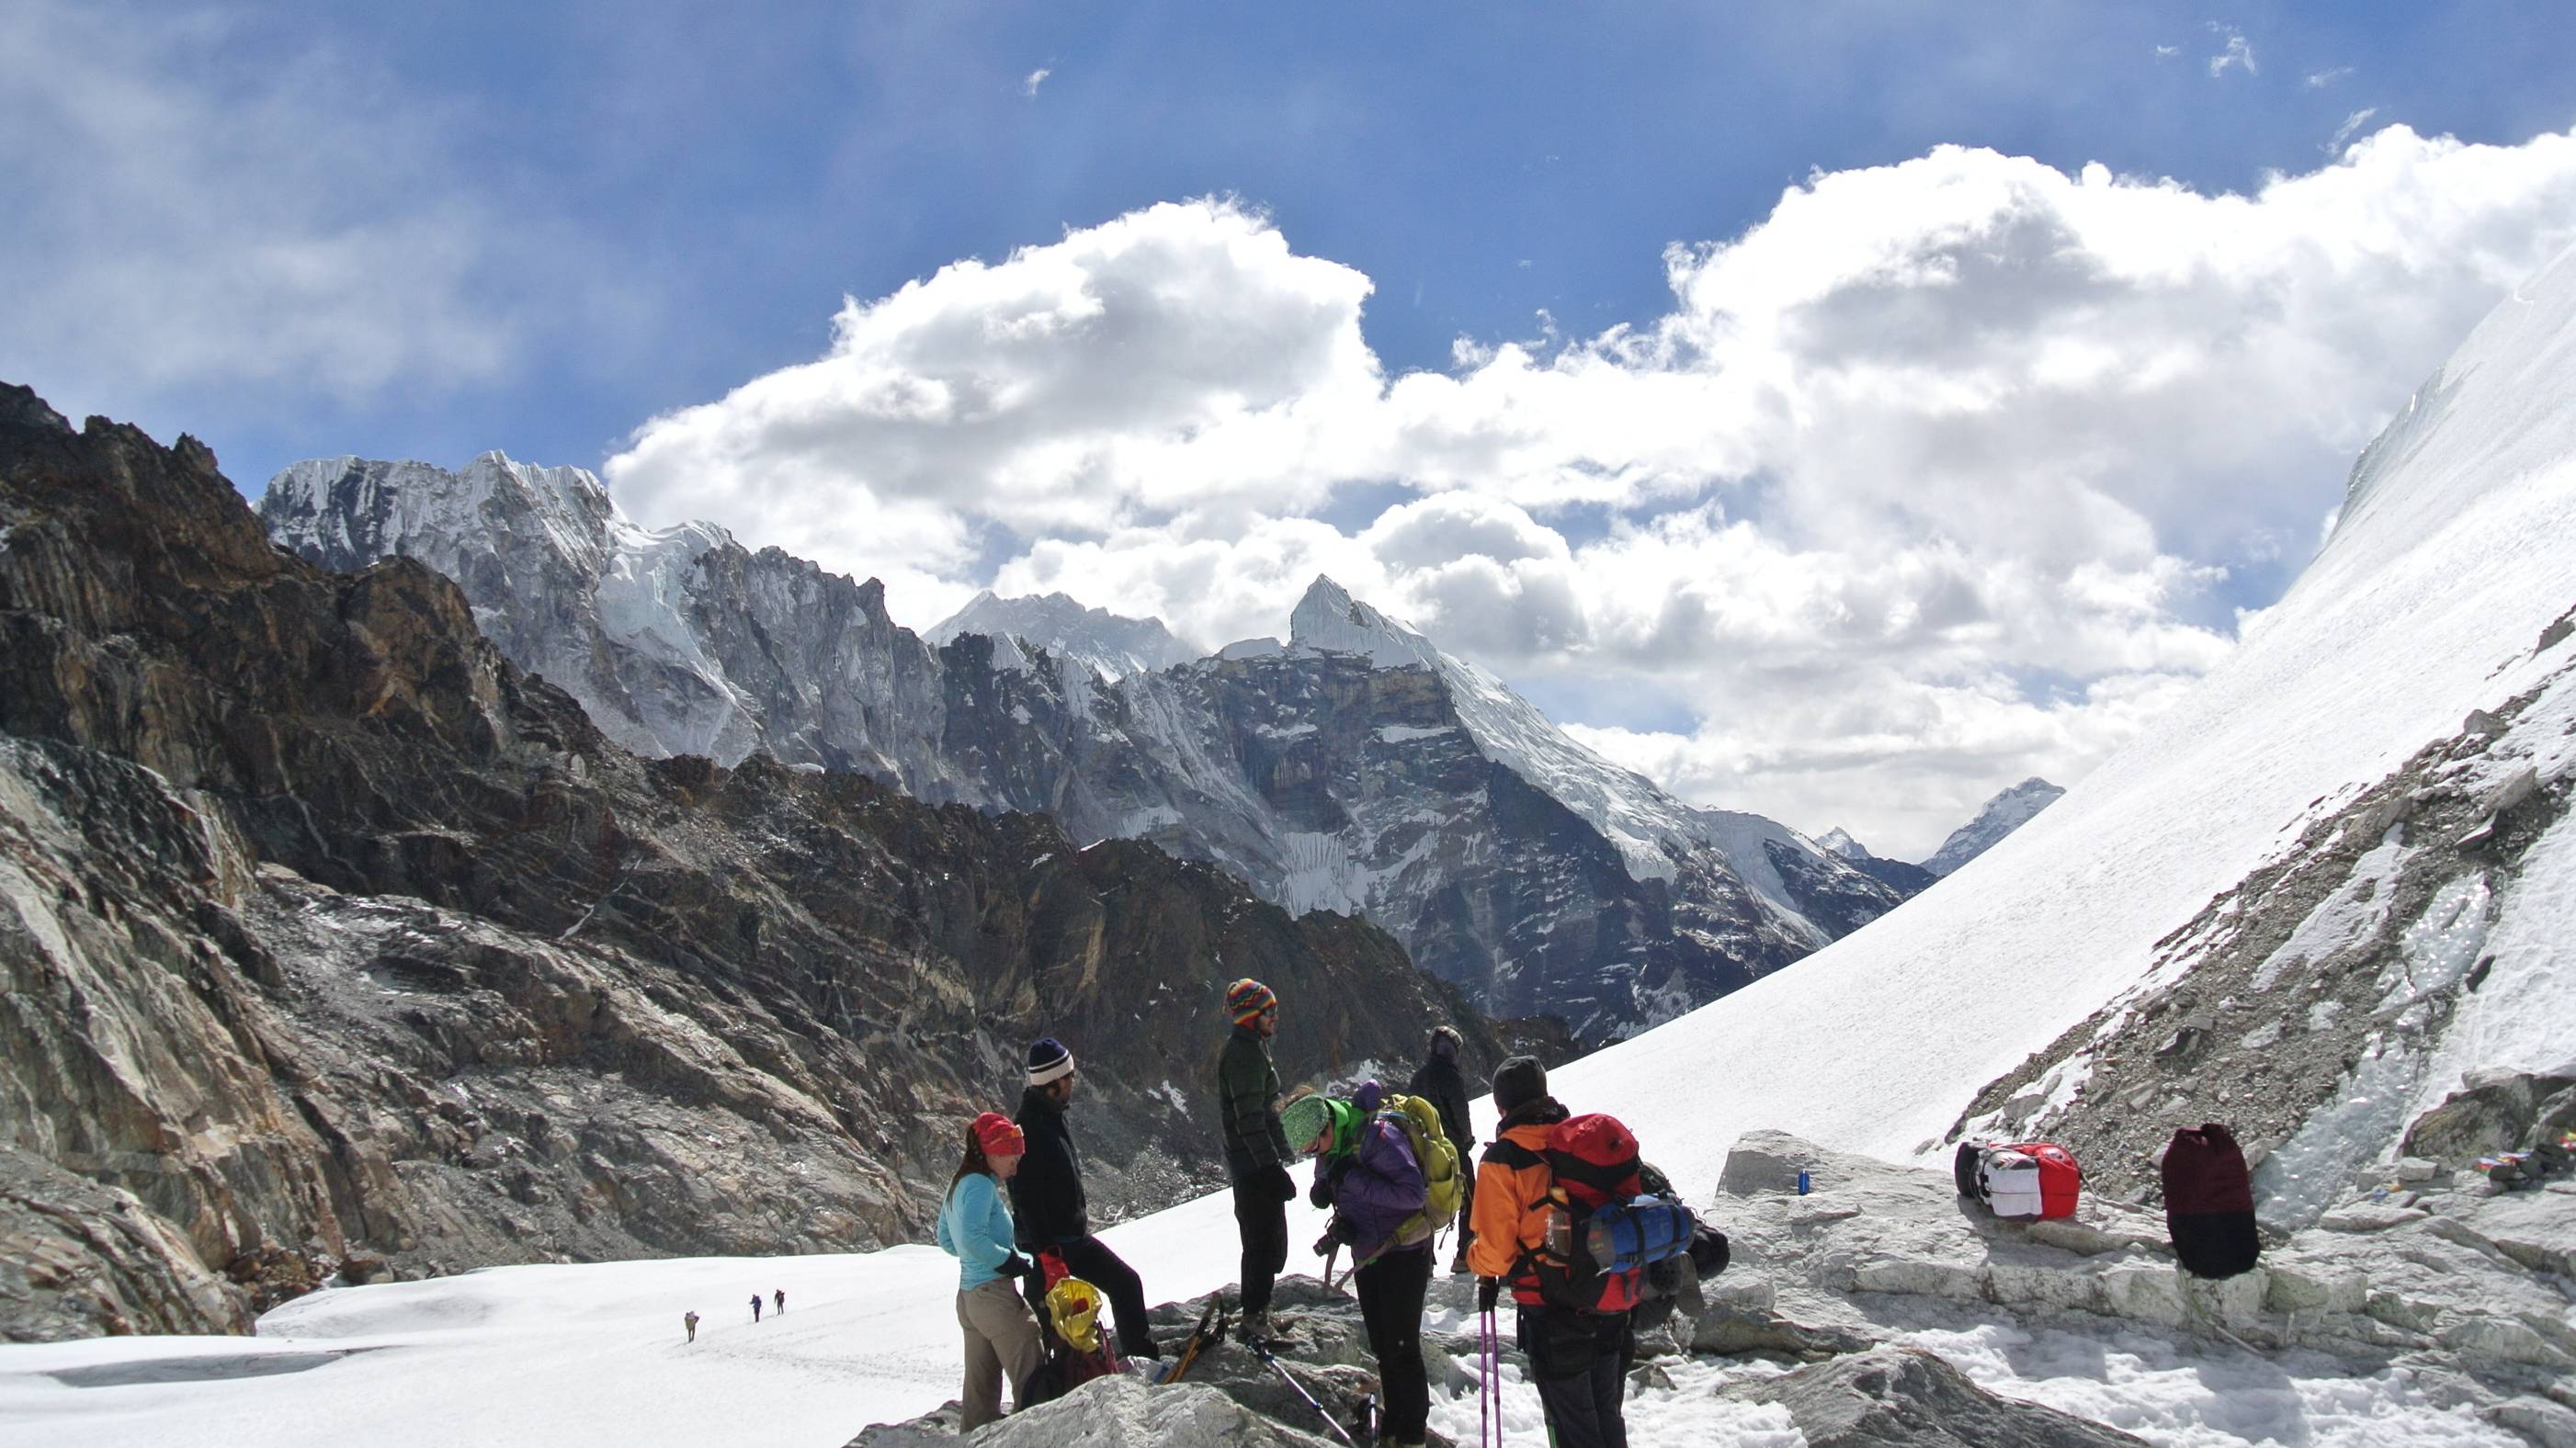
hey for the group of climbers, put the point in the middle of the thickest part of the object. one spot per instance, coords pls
(1392, 1172)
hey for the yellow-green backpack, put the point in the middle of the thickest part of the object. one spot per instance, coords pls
(1444, 1188)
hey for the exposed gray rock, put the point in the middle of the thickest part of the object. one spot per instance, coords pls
(78, 1258)
(1109, 1412)
(2495, 1111)
(1877, 1249)
(1899, 1397)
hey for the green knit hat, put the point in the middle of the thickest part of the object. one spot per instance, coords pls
(1303, 1119)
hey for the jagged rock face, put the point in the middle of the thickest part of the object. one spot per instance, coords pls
(2307, 1006)
(1358, 769)
(329, 935)
(1996, 818)
(77, 1257)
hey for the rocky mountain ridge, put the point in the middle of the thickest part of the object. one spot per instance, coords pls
(1357, 768)
(333, 942)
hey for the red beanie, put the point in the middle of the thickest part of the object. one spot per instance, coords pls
(995, 1133)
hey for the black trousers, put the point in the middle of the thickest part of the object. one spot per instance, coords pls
(1391, 1290)
(1090, 1259)
(1580, 1363)
(1263, 1220)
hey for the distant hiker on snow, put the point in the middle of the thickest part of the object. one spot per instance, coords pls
(689, 1320)
(975, 1228)
(1256, 1148)
(779, 1302)
(1438, 1081)
(1366, 1171)
(1575, 1357)
(755, 1307)
(1053, 1215)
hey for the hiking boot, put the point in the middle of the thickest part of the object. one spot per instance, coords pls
(1258, 1330)
(1458, 1264)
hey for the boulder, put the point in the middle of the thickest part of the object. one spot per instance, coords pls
(1765, 1161)
(2494, 1111)
(2536, 1229)
(1111, 1412)
(1902, 1397)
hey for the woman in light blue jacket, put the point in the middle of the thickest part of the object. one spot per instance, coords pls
(975, 1228)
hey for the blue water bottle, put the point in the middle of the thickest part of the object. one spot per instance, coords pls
(1802, 1181)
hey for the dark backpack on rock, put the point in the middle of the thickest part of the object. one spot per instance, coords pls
(2209, 1202)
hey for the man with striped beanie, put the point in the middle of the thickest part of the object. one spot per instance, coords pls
(1050, 1212)
(1256, 1147)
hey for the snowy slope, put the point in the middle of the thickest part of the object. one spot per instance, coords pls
(1115, 646)
(1996, 818)
(2452, 558)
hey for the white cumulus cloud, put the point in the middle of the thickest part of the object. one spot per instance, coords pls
(1945, 473)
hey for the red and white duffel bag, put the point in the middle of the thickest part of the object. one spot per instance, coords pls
(2025, 1180)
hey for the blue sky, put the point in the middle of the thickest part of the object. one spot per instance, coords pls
(298, 230)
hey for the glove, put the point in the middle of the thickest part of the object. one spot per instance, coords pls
(1488, 1291)
(1016, 1265)
(1320, 1195)
(1282, 1185)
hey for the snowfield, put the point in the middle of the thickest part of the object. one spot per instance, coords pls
(577, 1356)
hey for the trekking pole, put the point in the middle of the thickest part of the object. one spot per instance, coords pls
(1484, 1379)
(1299, 1389)
(1489, 1393)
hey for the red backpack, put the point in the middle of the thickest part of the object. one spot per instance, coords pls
(2209, 1202)
(1592, 1165)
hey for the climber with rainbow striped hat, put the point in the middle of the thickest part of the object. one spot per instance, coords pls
(1256, 1148)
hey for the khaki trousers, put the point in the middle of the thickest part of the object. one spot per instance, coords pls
(1001, 1337)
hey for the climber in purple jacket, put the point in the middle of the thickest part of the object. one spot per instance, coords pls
(1366, 1172)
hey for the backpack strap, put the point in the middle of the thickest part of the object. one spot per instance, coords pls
(1509, 1153)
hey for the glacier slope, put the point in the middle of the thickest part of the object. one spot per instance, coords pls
(2451, 557)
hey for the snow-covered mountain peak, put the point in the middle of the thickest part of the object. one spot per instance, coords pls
(1840, 841)
(1330, 619)
(1110, 643)
(1996, 818)
(370, 508)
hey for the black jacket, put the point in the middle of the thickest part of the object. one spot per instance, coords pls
(1247, 1090)
(1439, 1083)
(1047, 1206)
